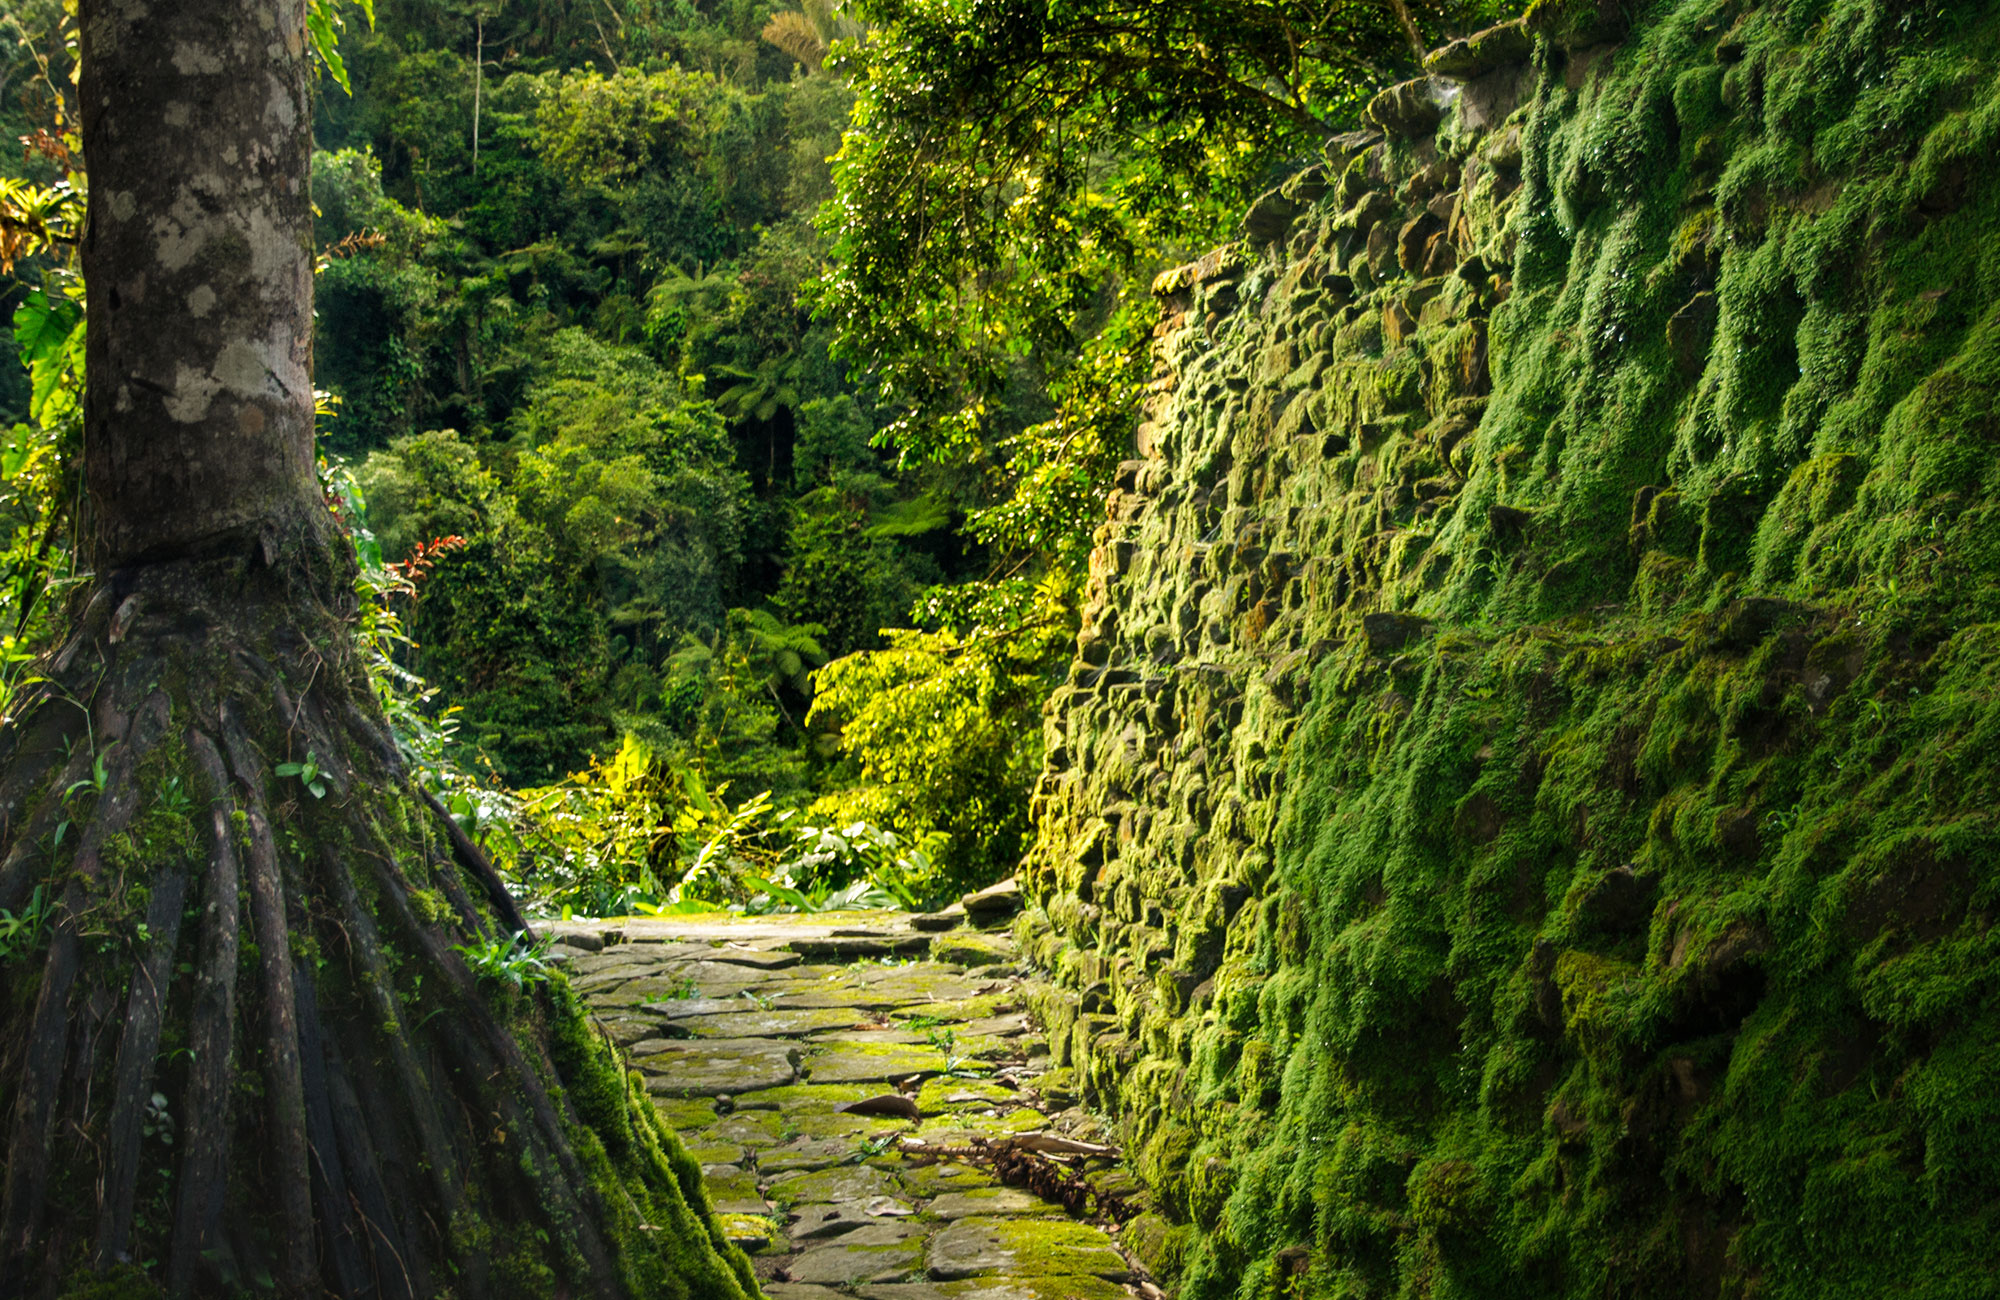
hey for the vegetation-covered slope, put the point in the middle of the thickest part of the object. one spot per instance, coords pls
(1520, 822)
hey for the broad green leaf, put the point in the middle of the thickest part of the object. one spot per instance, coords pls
(49, 336)
(323, 26)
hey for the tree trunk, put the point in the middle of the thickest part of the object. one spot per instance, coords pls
(241, 1046)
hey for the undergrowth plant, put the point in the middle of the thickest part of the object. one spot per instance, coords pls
(516, 960)
(630, 834)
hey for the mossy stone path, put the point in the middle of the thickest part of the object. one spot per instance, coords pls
(752, 1033)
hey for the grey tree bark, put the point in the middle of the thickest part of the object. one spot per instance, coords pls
(242, 1050)
(199, 416)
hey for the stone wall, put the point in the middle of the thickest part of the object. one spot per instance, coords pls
(1490, 839)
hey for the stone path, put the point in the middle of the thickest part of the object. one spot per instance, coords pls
(754, 1033)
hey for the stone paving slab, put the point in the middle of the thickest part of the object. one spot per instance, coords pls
(714, 1153)
(977, 1007)
(710, 1067)
(756, 958)
(768, 1024)
(750, 1034)
(928, 1181)
(877, 1252)
(685, 1114)
(846, 1062)
(989, 1201)
(970, 948)
(900, 1037)
(627, 1031)
(733, 1191)
(993, 1245)
(806, 1153)
(939, 1096)
(851, 946)
(847, 1185)
(1012, 1288)
(803, 1098)
(683, 1008)
(819, 1222)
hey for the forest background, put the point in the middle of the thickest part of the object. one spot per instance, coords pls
(721, 396)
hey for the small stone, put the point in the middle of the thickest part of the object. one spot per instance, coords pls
(851, 947)
(890, 1104)
(1398, 326)
(803, 1098)
(993, 903)
(732, 1191)
(708, 1153)
(681, 1114)
(897, 1037)
(897, 986)
(999, 1026)
(757, 958)
(627, 1031)
(758, 1128)
(1413, 242)
(1690, 332)
(1578, 24)
(946, 1176)
(581, 940)
(1411, 109)
(682, 1008)
(801, 1291)
(970, 948)
(816, 1222)
(749, 1231)
(1388, 633)
(1619, 904)
(1482, 52)
(1058, 1088)
(932, 922)
(1269, 218)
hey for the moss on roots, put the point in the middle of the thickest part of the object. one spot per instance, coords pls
(244, 1054)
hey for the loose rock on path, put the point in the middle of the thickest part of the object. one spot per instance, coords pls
(754, 1034)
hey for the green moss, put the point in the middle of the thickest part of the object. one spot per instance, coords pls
(431, 905)
(650, 1189)
(1630, 932)
(122, 1282)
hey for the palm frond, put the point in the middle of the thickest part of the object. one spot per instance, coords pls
(797, 35)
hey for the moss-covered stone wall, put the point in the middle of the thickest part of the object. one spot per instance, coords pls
(1522, 821)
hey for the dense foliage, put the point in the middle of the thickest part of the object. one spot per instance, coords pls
(673, 354)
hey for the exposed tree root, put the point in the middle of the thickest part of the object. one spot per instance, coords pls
(247, 1053)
